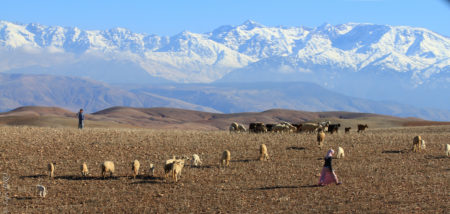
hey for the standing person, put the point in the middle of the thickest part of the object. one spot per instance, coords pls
(80, 119)
(328, 176)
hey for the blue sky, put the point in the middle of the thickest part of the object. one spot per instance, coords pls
(171, 17)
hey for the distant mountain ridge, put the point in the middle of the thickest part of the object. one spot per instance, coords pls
(74, 93)
(191, 57)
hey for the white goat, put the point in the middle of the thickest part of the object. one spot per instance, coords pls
(196, 160)
(84, 169)
(225, 160)
(51, 170)
(152, 169)
(41, 190)
(340, 153)
(135, 167)
(107, 166)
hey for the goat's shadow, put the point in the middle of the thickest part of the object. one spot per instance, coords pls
(295, 148)
(244, 160)
(310, 186)
(149, 180)
(33, 176)
(95, 178)
(203, 167)
(393, 151)
(276, 187)
(435, 157)
(21, 198)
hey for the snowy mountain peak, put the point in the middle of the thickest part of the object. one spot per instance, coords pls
(196, 57)
(250, 24)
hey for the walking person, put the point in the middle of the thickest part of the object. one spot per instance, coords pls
(328, 176)
(80, 119)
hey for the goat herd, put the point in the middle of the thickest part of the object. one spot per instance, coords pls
(260, 127)
(174, 166)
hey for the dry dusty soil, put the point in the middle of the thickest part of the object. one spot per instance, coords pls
(380, 173)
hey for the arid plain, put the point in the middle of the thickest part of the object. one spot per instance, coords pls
(380, 173)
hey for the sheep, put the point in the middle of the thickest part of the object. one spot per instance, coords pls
(135, 167)
(152, 169)
(320, 138)
(347, 129)
(241, 128)
(289, 126)
(257, 127)
(226, 156)
(423, 146)
(280, 128)
(107, 166)
(41, 190)
(234, 127)
(51, 170)
(309, 127)
(263, 155)
(340, 153)
(84, 169)
(196, 160)
(447, 149)
(416, 143)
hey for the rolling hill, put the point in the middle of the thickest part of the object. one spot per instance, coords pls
(172, 118)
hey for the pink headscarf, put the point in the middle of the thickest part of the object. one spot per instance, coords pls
(330, 153)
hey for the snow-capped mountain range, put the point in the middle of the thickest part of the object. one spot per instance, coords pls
(416, 53)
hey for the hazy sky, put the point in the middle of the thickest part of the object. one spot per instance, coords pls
(170, 17)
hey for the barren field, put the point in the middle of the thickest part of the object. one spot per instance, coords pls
(380, 174)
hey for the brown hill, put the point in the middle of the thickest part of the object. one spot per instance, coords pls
(172, 118)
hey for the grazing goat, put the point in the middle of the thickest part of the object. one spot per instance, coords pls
(152, 169)
(416, 143)
(241, 128)
(84, 169)
(41, 190)
(332, 128)
(423, 145)
(309, 127)
(257, 128)
(340, 153)
(447, 149)
(233, 127)
(51, 170)
(107, 166)
(347, 129)
(320, 138)
(174, 169)
(263, 155)
(196, 160)
(225, 160)
(236, 127)
(362, 127)
(135, 167)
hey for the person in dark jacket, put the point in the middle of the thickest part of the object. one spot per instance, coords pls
(80, 119)
(328, 176)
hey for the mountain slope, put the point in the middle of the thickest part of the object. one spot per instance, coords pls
(192, 57)
(74, 93)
